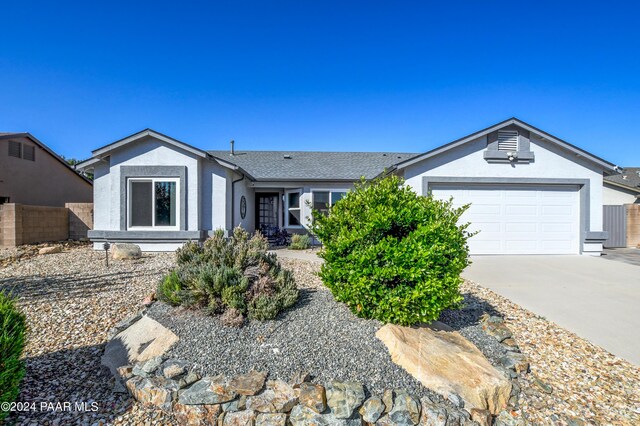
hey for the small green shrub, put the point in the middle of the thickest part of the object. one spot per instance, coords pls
(392, 254)
(300, 242)
(12, 339)
(232, 276)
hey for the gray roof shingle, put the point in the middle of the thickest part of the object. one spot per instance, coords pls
(312, 165)
(630, 177)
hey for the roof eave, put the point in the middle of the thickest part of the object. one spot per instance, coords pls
(607, 166)
(144, 133)
(621, 185)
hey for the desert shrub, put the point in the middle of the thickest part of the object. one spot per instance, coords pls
(300, 242)
(12, 338)
(235, 277)
(392, 254)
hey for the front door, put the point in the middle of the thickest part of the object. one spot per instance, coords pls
(267, 211)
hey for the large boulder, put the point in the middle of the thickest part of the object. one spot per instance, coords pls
(141, 341)
(125, 251)
(446, 362)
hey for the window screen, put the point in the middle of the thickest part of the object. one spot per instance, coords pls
(337, 196)
(29, 152)
(15, 149)
(141, 203)
(321, 201)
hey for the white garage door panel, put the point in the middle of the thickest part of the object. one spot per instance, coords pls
(515, 219)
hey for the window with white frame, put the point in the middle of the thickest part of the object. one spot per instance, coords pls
(293, 217)
(153, 203)
(322, 200)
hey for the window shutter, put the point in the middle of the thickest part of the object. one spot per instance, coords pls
(29, 152)
(508, 140)
(14, 149)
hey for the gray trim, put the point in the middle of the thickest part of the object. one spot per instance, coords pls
(596, 236)
(494, 156)
(127, 172)
(512, 121)
(584, 192)
(149, 132)
(151, 236)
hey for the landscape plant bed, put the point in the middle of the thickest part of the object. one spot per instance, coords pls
(71, 300)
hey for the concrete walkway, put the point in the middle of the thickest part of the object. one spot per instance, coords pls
(309, 254)
(595, 298)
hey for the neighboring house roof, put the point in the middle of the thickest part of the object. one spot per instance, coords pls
(544, 135)
(312, 165)
(629, 179)
(12, 135)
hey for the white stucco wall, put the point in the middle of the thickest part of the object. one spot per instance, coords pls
(146, 152)
(102, 196)
(550, 162)
(243, 188)
(214, 207)
(615, 196)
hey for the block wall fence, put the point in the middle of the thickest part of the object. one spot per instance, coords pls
(26, 224)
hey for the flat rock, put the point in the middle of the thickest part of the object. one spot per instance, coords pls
(240, 418)
(143, 340)
(271, 419)
(196, 415)
(209, 390)
(344, 397)
(248, 384)
(153, 391)
(301, 415)
(279, 397)
(313, 396)
(372, 409)
(405, 411)
(125, 251)
(482, 417)
(173, 368)
(447, 363)
(50, 250)
(432, 414)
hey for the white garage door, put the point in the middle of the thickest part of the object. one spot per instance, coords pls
(514, 219)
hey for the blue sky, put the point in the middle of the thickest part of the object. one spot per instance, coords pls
(356, 75)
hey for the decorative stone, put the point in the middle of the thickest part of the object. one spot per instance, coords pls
(239, 418)
(154, 391)
(515, 361)
(507, 418)
(511, 344)
(144, 339)
(271, 419)
(482, 417)
(446, 362)
(301, 415)
(50, 250)
(405, 411)
(279, 397)
(313, 396)
(499, 331)
(125, 372)
(455, 400)
(431, 414)
(148, 300)
(491, 319)
(173, 368)
(196, 415)
(344, 397)
(148, 367)
(248, 384)
(190, 378)
(125, 251)
(209, 390)
(298, 378)
(387, 399)
(372, 409)
(545, 387)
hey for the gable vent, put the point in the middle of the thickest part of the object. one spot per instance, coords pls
(508, 140)
(29, 153)
(15, 149)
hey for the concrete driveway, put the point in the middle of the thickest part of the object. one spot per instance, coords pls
(595, 298)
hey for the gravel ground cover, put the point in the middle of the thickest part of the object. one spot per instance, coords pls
(71, 301)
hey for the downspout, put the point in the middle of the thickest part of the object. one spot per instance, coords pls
(233, 202)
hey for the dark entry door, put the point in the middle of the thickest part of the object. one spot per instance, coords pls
(267, 211)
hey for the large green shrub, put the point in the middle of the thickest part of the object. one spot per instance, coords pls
(12, 339)
(233, 276)
(392, 254)
(300, 242)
